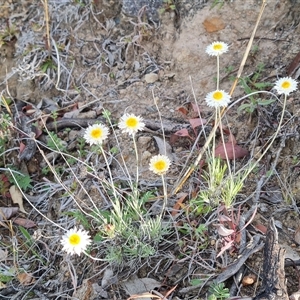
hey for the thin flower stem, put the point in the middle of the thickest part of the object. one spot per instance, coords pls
(110, 175)
(137, 162)
(161, 122)
(116, 204)
(223, 141)
(214, 137)
(218, 71)
(165, 194)
(270, 143)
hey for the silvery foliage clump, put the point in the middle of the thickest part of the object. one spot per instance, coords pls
(132, 8)
(66, 17)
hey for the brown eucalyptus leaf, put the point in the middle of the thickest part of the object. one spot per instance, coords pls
(196, 107)
(233, 151)
(26, 223)
(182, 110)
(196, 122)
(183, 132)
(223, 231)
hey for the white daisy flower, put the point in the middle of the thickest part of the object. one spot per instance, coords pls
(217, 48)
(96, 134)
(159, 164)
(286, 85)
(75, 241)
(217, 98)
(131, 124)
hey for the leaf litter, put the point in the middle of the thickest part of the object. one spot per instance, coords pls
(96, 82)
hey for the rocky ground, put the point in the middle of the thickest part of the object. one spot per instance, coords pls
(128, 56)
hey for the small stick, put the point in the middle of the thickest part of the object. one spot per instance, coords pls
(47, 20)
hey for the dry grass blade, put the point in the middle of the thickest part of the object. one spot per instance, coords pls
(217, 123)
(47, 20)
(144, 295)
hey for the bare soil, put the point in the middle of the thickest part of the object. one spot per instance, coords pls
(120, 60)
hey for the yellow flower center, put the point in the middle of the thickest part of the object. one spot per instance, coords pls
(160, 165)
(74, 239)
(96, 133)
(132, 122)
(285, 84)
(218, 47)
(218, 96)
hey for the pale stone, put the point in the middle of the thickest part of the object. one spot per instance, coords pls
(151, 77)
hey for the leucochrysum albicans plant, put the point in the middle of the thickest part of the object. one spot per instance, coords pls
(223, 183)
(127, 230)
(221, 187)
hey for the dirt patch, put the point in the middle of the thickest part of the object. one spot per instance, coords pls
(127, 57)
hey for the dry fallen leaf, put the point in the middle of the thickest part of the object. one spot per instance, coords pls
(26, 223)
(261, 228)
(213, 24)
(182, 110)
(17, 197)
(26, 278)
(136, 286)
(183, 132)
(223, 231)
(196, 122)
(230, 149)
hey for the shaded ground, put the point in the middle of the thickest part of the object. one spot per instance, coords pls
(120, 58)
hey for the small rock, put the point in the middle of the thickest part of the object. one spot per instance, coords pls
(145, 157)
(136, 65)
(25, 90)
(91, 114)
(144, 141)
(151, 77)
(75, 134)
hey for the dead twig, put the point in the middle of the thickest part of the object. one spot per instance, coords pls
(273, 284)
